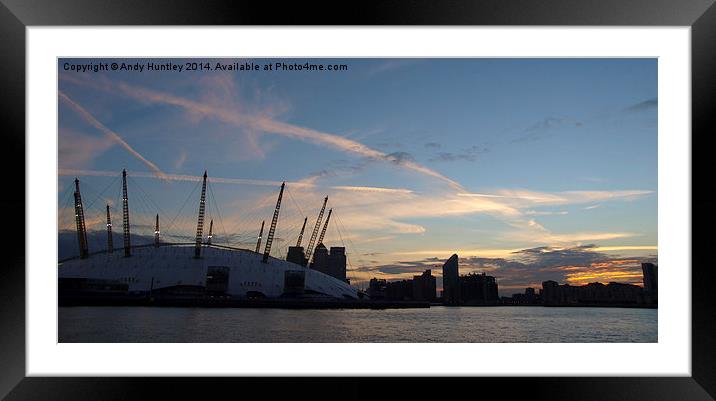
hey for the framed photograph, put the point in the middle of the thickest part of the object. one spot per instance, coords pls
(479, 190)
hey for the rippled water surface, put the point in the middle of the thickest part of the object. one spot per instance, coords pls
(436, 324)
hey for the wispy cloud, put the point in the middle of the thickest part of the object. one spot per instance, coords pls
(78, 149)
(469, 154)
(111, 134)
(220, 180)
(518, 269)
(180, 161)
(544, 127)
(560, 198)
(546, 213)
(262, 123)
(648, 104)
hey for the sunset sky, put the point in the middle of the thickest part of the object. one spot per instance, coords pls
(528, 169)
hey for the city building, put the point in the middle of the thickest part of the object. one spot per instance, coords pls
(591, 294)
(651, 290)
(478, 289)
(399, 290)
(424, 286)
(451, 281)
(377, 288)
(320, 258)
(332, 263)
(530, 297)
(420, 288)
(337, 263)
(604, 294)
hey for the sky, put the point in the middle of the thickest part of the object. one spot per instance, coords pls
(528, 169)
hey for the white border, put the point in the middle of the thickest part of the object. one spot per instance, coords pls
(670, 356)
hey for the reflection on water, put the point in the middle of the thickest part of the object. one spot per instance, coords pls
(436, 324)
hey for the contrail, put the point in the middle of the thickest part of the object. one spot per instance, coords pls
(236, 181)
(264, 124)
(111, 134)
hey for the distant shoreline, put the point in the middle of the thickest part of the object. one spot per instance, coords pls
(632, 306)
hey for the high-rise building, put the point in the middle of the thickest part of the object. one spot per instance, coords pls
(401, 290)
(451, 281)
(424, 286)
(332, 263)
(591, 294)
(320, 259)
(420, 288)
(337, 262)
(478, 289)
(650, 277)
(651, 282)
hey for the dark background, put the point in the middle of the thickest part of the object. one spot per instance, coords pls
(16, 14)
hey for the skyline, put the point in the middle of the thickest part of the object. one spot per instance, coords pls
(529, 169)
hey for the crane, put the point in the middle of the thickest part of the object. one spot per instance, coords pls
(300, 236)
(200, 220)
(274, 221)
(311, 242)
(325, 226)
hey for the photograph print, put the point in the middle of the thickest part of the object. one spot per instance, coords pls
(357, 200)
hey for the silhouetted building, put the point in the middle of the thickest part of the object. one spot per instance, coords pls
(337, 263)
(528, 298)
(296, 255)
(332, 263)
(320, 258)
(591, 294)
(651, 284)
(478, 289)
(451, 281)
(399, 290)
(424, 287)
(376, 288)
(419, 288)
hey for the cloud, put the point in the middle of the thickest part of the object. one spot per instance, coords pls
(531, 266)
(238, 181)
(545, 213)
(110, 134)
(399, 157)
(261, 123)
(77, 150)
(433, 145)
(180, 161)
(648, 104)
(372, 189)
(523, 197)
(542, 128)
(469, 154)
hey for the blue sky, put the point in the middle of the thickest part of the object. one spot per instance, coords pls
(420, 158)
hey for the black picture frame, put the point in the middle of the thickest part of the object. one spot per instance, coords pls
(16, 15)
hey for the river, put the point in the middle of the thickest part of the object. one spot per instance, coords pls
(436, 324)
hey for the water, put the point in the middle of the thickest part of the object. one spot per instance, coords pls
(437, 324)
